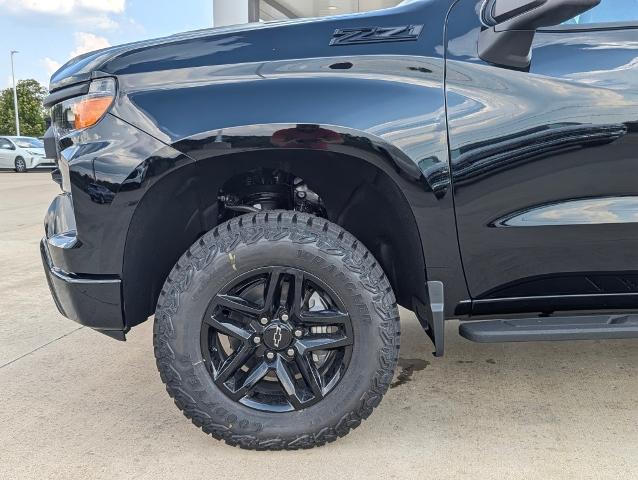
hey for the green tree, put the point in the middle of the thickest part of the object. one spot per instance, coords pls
(32, 114)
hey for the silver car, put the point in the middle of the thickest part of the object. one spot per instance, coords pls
(23, 153)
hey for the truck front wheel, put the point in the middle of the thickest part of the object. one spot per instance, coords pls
(277, 330)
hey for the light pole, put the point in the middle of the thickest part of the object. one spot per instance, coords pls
(15, 94)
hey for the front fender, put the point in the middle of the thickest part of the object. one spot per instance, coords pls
(387, 110)
(397, 98)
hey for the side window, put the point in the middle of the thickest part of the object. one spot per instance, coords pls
(608, 11)
(5, 144)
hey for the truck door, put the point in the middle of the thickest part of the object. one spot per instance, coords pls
(545, 163)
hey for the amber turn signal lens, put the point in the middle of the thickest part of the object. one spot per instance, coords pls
(89, 111)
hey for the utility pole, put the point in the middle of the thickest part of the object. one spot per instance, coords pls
(15, 94)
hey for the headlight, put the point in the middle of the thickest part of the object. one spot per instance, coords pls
(86, 110)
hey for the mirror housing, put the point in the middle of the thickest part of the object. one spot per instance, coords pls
(510, 26)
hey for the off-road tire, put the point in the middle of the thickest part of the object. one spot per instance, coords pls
(307, 242)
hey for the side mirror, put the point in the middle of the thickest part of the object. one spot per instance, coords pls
(510, 26)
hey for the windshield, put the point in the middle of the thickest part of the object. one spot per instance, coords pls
(27, 142)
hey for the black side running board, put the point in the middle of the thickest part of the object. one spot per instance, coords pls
(551, 328)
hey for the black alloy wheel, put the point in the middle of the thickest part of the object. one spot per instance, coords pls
(276, 339)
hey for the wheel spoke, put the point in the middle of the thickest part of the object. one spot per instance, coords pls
(228, 328)
(237, 304)
(322, 342)
(326, 317)
(258, 372)
(234, 363)
(297, 296)
(273, 291)
(287, 382)
(310, 374)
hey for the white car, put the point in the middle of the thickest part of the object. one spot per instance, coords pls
(23, 153)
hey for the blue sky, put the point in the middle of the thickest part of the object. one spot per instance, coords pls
(49, 32)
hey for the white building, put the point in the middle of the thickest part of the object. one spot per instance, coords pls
(232, 12)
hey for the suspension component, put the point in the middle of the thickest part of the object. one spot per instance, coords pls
(263, 190)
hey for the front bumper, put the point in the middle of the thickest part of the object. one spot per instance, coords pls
(104, 173)
(40, 162)
(91, 300)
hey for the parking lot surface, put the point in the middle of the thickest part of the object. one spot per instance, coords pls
(77, 404)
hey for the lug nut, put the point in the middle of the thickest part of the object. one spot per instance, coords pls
(270, 355)
(298, 333)
(257, 340)
(264, 321)
(285, 317)
(291, 352)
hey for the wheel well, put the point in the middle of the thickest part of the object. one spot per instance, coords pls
(355, 194)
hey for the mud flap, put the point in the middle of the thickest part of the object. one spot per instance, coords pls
(432, 316)
(437, 308)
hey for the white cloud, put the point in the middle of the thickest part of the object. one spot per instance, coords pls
(50, 65)
(97, 13)
(87, 42)
(102, 22)
(84, 42)
(113, 6)
(64, 7)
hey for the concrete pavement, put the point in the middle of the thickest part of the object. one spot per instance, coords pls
(76, 404)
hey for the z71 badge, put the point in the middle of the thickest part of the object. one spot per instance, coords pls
(354, 36)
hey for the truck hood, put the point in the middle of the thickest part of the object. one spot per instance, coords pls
(84, 67)
(214, 46)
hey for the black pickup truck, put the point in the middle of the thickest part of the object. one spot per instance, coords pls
(271, 193)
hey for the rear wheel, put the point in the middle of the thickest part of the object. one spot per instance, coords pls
(20, 165)
(277, 331)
